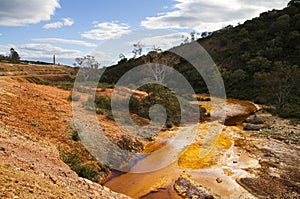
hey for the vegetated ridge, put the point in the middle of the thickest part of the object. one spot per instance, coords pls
(258, 60)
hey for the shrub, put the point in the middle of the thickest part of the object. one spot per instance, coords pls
(75, 136)
(169, 125)
(82, 170)
(86, 171)
(289, 111)
(102, 102)
(157, 95)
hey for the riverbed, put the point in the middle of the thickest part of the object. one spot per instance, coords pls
(215, 164)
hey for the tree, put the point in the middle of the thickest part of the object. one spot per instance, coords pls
(293, 2)
(89, 67)
(194, 36)
(157, 49)
(137, 49)
(86, 62)
(14, 56)
(281, 24)
(279, 83)
(2, 57)
(159, 64)
(185, 39)
(122, 58)
(158, 70)
(258, 63)
(205, 34)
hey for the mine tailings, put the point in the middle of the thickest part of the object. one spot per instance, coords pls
(217, 170)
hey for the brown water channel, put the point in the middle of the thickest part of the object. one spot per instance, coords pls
(177, 151)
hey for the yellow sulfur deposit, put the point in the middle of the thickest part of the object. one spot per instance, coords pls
(224, 142)
(190, 157)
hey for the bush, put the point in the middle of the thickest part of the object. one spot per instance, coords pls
(169, 125)
(82, 170)
(75, 136)
(102, 102)
(86, 171)
(289, 111)
(157, 95)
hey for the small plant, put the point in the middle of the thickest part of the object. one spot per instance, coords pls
(169, 125)
(86, 171)
(75, 136)
(265, 132)
(101, 103)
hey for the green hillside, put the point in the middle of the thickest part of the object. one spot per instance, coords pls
(259, 60)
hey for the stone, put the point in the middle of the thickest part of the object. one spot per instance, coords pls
(219, 180)
(228, 171)
(252, 127)
(254, 121)
(188, 188)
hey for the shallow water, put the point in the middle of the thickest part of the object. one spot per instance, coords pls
(187, 150)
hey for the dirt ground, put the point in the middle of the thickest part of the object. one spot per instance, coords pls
(36, 122)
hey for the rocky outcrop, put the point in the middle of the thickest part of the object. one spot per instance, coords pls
(252, 127)
(130, 144)
(188, 188)
(278, 175)
(253, 123)
(254, 120)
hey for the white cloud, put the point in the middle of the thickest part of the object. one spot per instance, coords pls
(203, 15)
(59, 24)
(42, 52)
(68, 21)
(107, 30)
(108, 52)
(1, 34)
(66, 41)
(38, 51)
(104, 58)
(20, 13)
(164, 42)
(4, 49)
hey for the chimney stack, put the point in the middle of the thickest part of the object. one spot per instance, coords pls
(54, 59)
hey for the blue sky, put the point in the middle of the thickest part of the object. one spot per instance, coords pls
(70, 28)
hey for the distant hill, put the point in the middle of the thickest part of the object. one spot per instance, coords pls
(259, 60)
(262, 44)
